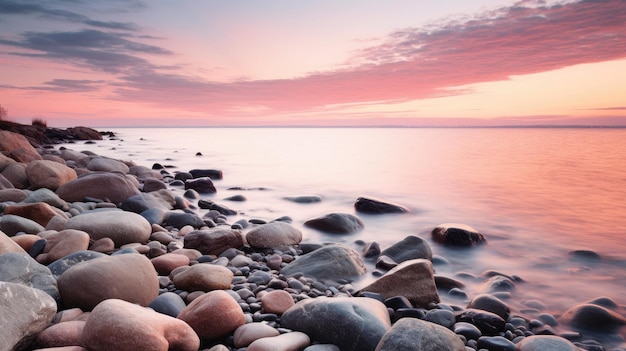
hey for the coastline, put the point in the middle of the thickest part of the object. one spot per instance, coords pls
(258, 258)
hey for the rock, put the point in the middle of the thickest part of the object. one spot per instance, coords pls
(79, 158)
(61, 265)
(13, 195)
(12, 224)
(412, 279)
(18, 147)
(47, 196)
(375, 206)
(63, 243)
(122, 326)
(594, 317)
(165, 264)
(418, 335)
(9, 245)
(168, 303)
(61, 334)
(410, 248)
(545, 343)
(106, 164)
(202, 185)
(442, 317)
(147, 176)
(203, 277)
(142, 202)
(488, 323)
(128, 277)
(454, 234)
(213, 315)
(179, 220)
(103, 245)
(48, 174)
(274, 235)
(120, 226)
(5, 161)
(213, 242)
(25, 313)
(468, 330)
(498, 283)
(29, 242)
(39, 212)
(490, 303)
(22, 269)
(304, 199)
(294, 341)
(339, 223)
(84, 133)
(250, 332)
(499, 343)
(355, 323)
(114, 187)
(15, 173)
(331, 262)
(151, 184)
(323, 347)
(211, 173)
(277, 301)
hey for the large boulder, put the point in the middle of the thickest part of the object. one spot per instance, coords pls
(18, 147)
(418, 335)
(412, 279)
(375, 206)
(409, 248)
(22, 269)
(49, 174)
(129, 277)
(337, 223)
(331, 262)
(455, 234)
(351, 323)
(213, 315)
(114, 187)
(123, 326)
(120, 226)
(213, 241)
(24, 313)
(274, 235)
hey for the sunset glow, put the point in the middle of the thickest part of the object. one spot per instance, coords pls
(352, 63)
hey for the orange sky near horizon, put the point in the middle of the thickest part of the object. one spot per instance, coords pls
(402, 63)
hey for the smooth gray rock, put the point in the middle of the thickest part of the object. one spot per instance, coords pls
(181, 219)
(168, 303)
(20, 268)
(121, 226)
(546, 343)
(304, 199)
(144, 201)
(417, 335)
(488, 323)
(61, 265)
(490, 303)
(274, 235)
(356, 323)
(24, 313)
(409, 248)
(375, 206)
(336, 223)
(13, 224)
(48, 196)
(595, 317)
(202, 185)
(328, 263)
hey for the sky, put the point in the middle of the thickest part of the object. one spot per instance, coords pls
(314, 63)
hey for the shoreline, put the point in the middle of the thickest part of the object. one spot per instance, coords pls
(260, 262)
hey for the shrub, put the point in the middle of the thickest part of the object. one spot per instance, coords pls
(39, 122)
(4, 113)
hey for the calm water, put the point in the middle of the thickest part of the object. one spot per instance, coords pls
(535, 193)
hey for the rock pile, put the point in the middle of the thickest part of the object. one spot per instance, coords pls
(101, 254)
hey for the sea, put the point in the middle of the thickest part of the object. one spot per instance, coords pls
(536, 194)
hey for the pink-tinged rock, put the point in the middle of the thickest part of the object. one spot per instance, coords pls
(61, 334)
(26, 241)
(106, 164)
(39, 212)
(274, 235)
(213, 315)
(48, 174)
(277, 301)
(203, 277)
(62, 244)
(122, 326)
(18, 147)
(78, 157)
(191, 253)
(12, 194)
(294, 341)
(250, 332)
(15, 173)
(114, 187)
(120, 226)
(5, 161)
(213, 241)
(104, 245)
(129, 277)
(63, 348)
(164, 264)
(7, 244)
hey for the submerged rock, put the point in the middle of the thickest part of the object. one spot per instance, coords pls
(375, 206)
(338, 223)
(418, 335)
(331, 262)
(457, 235)
(409, 248)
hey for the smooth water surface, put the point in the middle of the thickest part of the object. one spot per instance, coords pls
(536, 194)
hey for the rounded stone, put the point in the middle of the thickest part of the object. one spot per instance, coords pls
(106, 164)
(120, 226)
(455, 234)
(274, 235)
(338, 223)
(590, 316)
(168, 303)
(203, 277)
(418, 335)
(545, 343)
(409, 248)
(213, 315)
(250, 332)
(48, 174)
(213, 242)
(330, 262)
(499, 343)
(63, 243)
(376, 206)
(39, 212)
(114, 187)
(277, 301)
(293, 341)
(61, 265)
(61, 334)
(22, 269)
(166, 263)
(490, 303)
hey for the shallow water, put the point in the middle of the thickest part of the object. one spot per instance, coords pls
(535, 194)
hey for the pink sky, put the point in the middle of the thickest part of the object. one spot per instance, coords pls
(358, 63)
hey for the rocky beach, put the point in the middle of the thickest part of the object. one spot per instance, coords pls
(98, 253)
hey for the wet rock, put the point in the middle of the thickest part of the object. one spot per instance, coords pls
(129, 277)
(375, 206)
(409, 248)
(415, 334)
(213, 315)
(442, 317)
(25, 312)
(330, 262)
(468, 330)
(351, 323)
(545, 343)
(202, 185)
(181, 219)
(120, 325)
(498, 343)
(46, 196)
(454, 234)
(293, 341)
(48, 174)
(595, 317)
(61, 265)
(498, 283)
(412, 279)
(488, 323)
(22, 269)
(99, 185)
(371, 250)
(211, 173)
(304, 199)
(63, 243)
(274, 235)
(142, 202)
(338, 223)
(202, 277)
(490, 303)
(214, 241)
(120, 226)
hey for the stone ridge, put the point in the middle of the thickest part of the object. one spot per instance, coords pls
(40, 135)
